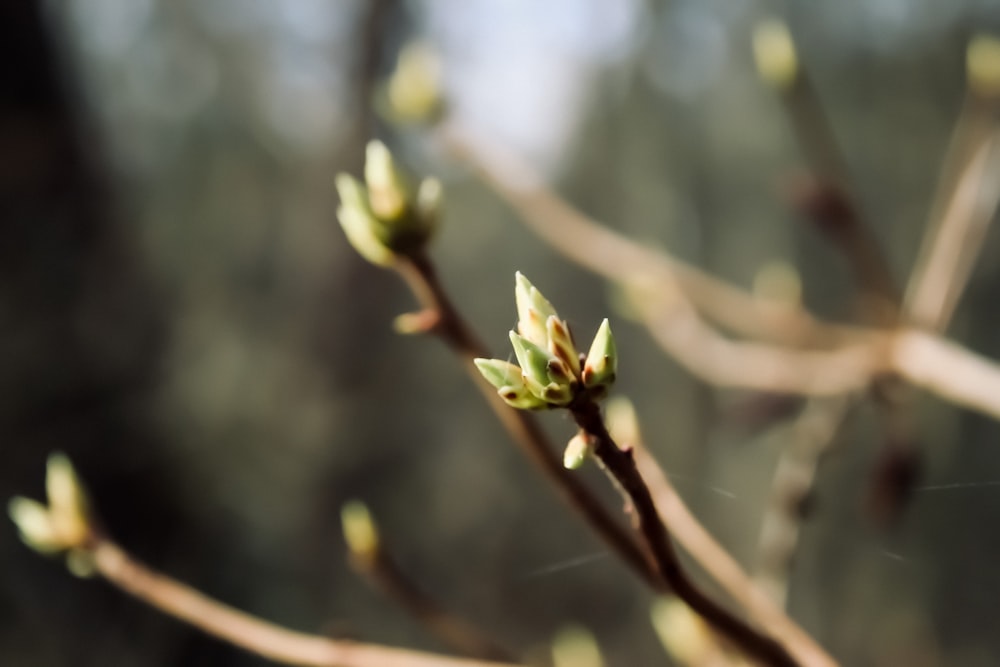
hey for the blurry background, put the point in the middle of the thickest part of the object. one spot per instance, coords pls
(179, 311)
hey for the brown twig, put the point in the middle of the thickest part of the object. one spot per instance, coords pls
(621, 467)
(248, 632)
(723, 568)
(381, 571)
(445, 321)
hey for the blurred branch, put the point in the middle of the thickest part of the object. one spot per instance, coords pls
(621, 466)
(937, 365)
(248, 632)
(707, 552)
(952, 244)
(373, 561)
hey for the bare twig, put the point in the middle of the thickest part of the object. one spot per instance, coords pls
(622, 468)
(379, 568)
(952, 245)
(722, 567)
(248, 632)
(447, 324)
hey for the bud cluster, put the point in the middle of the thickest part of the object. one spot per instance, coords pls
(386, 215)
(64, 525)
(550, 371)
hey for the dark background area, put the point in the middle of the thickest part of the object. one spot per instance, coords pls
(180, 314)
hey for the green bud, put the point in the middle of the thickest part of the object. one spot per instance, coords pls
(576, 646)
(557, 394)
(359, 223)
(601, 364)
(35, 525)
(533, 309)
(360, 531)
(68, 504)
(561, 344)
(533, 360)
(430, 195)
(510, 384)
(499, 373)
(576, 452)
(388, 188)
(521, 397)
(65, 523)
(774, 54)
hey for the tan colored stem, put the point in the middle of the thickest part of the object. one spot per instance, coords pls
(248, 632)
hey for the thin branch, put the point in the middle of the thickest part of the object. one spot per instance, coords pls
(380, 569)
(248, 632)
(628, 263)
(447, 324)
(722, 567)
(622, 468)
(951, 246)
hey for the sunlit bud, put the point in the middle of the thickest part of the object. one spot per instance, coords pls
(576, 647)
(774, 53)
(388, 189)
(499, 373)
(360, 531)
(576, 452)
(430, 196)
(982, 61)
(522, 398)
(358, 222)
(602, 360)
(414, 89)
(35, 525)
(533, 309)
(623, 425)
(561, 344)
(682, 633)
(68, 503)
(534, 361)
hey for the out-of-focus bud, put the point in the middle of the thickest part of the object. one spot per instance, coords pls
(35, 525)
(430, 196)
(601, 364)
(623, 424)
(414, 91)
(575, 646)
(774, 53)
(982, 62)
(63, 525)
(359, 223)
(68, 504)
(386, 216)
(389, 189)
(683, 634)
(577, 451)
(360, 531)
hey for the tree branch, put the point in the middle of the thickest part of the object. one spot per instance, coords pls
(248, 632)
